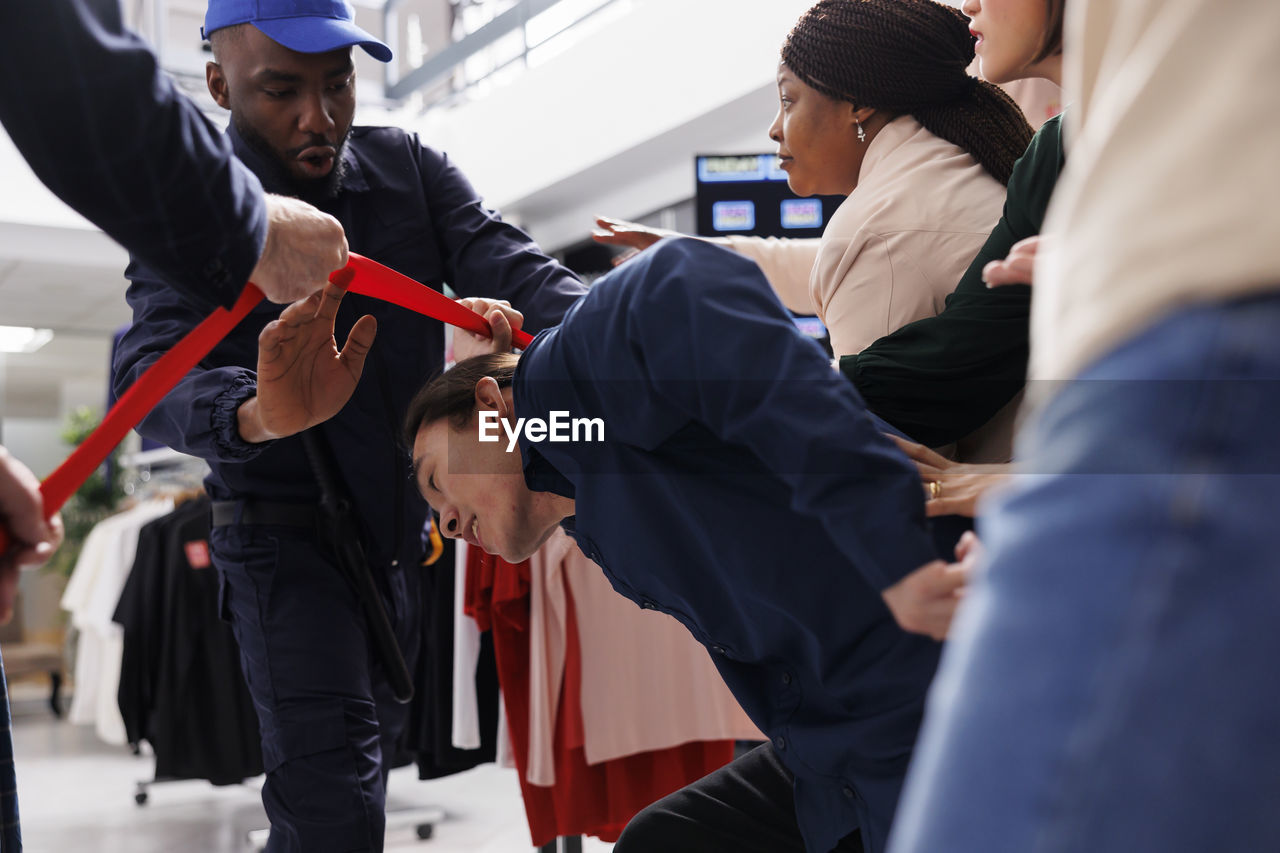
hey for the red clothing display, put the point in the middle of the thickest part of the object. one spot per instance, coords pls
(586, 799)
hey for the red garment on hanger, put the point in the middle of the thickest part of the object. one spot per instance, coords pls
(586, 799)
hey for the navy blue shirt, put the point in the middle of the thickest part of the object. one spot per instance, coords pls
(743, 488)
(112, 136)
(408, 207)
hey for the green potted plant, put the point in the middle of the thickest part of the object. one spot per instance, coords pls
(98, 498)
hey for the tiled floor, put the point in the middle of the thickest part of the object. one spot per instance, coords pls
(76, 794)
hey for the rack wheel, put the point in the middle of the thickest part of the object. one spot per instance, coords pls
(425, 830)
(140, 798)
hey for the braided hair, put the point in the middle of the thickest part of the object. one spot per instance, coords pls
(909, 56)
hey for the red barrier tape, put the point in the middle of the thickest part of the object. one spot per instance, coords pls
(371, 279)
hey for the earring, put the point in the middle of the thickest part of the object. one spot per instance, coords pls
(862, 134)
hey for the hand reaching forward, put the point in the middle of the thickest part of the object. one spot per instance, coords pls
(925, 601)
(633, 235)
(303, 379)
(32, 539)
(1018, 268)
(952, 488)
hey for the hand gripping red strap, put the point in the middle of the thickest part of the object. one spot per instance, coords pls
(370, 279)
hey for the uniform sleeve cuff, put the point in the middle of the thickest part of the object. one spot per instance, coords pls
(227, 271)
(226, 424)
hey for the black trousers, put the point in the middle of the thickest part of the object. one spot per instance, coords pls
(328, 720)
(746, 806)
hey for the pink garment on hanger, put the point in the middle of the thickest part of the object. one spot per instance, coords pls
(647, 684)
(590, 799)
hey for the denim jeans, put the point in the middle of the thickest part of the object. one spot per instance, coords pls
(1112, 684)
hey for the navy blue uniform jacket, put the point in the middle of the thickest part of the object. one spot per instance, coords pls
(114, 137)
(408, 207)
(743, 488)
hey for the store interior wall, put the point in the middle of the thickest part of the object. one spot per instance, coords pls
(611, 125)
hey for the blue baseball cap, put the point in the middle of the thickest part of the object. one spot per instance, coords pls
(307, 26)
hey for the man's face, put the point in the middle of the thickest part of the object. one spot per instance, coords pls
(294, 108)
(479, 491)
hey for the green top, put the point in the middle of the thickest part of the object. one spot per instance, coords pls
(940, 378)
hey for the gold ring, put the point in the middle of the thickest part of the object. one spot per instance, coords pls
(935, 490)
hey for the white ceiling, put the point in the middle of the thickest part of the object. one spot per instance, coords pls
(70, 299)
(69, 280)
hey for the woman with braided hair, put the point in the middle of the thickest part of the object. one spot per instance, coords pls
(876, 104)
(769, 800)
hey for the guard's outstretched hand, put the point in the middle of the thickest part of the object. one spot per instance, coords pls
(503, 321)
(303, 379)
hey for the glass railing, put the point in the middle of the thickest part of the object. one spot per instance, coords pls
(455, 50)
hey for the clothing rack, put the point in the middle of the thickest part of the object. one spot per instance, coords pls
(149, 474)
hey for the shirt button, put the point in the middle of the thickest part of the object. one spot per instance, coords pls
(718, 649)
(848, 792)
(646, 605)
(780, 743)
(786, 678)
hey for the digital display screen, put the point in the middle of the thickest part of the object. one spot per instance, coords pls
(733, 215)
(744, 168)
(747, 194)
(810, 327)
(801, 213)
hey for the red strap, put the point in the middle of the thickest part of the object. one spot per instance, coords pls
(142, 397)
(371, 279)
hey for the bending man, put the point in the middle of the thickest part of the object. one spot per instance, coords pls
(741, 487)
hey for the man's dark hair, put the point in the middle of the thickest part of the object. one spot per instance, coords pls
(219, 39)
(452, 394)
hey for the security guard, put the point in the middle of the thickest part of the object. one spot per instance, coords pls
(328, 718)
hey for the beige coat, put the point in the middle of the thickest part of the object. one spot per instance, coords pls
(1171, 193)
(896, 247)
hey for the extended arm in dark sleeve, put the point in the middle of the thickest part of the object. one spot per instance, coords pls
(111, 135)
(485, 256)
(940, 378)
(701, 331)
(198, 416)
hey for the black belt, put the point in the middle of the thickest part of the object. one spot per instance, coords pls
(339, 532)
(229, 513)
